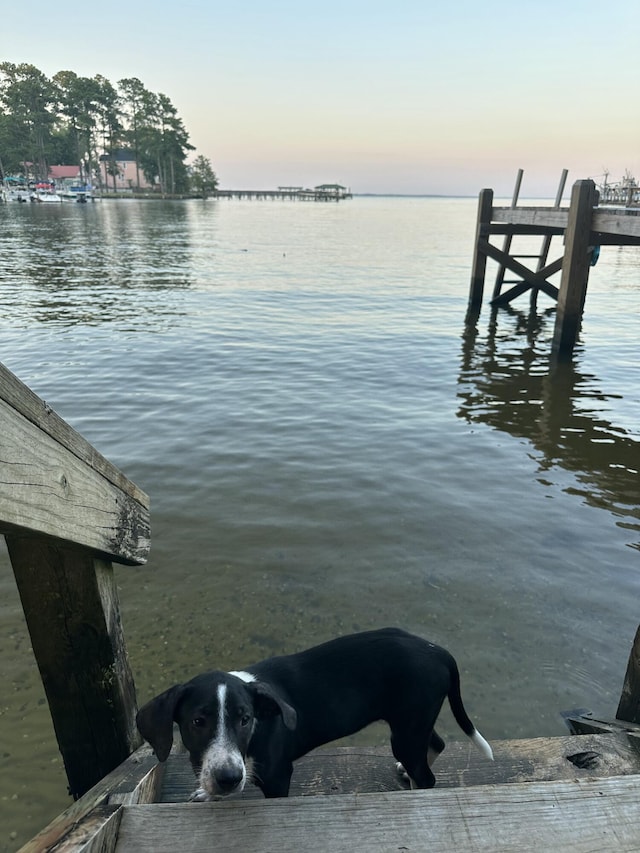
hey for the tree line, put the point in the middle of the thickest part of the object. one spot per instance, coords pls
(83, 121)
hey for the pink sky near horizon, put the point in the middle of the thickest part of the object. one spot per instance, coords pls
(386, 98)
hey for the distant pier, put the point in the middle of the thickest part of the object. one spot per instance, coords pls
(323, 192)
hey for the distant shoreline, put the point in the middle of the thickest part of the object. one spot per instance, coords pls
(212, 196)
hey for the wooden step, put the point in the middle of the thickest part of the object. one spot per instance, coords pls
(580, 817)
(358, 770)
(573, 763)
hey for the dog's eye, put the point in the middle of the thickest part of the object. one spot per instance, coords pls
(245, 719)
(198, 722)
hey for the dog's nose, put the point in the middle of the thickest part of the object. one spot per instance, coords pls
(228, 778)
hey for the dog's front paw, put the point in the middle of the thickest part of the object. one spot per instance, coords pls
(200, 796)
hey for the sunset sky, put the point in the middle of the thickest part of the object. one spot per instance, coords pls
(400, 97)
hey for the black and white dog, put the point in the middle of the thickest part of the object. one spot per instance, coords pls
(277, 710)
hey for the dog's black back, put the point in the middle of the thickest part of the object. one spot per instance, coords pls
(343, 685)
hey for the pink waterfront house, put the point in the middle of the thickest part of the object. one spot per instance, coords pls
(126, 177)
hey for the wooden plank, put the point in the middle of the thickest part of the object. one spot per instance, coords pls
(53, 482)
(136, 777)
(580, 817)
(545, 216)
(70, 604)
(342, 770)
(629, 705)
(22, 399)
(575, 270)
(615, 223)
(47, 489)
(621, 223)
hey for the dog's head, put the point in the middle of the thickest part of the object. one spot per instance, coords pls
(217, 714)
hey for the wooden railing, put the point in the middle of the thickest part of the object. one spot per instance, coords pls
(67, 514)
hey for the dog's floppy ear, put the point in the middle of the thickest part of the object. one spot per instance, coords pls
(155, 720)
(267, 703)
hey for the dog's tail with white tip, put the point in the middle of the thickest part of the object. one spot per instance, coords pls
(483, 745)
(461, 716)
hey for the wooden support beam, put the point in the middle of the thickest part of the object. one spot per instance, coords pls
(623, 224)
(629, 705)
(534, 217)
(506, 245)
(575, 269)
(70, 603)
(546, 242)
(530, 278)
(478, 270)
(525, 230)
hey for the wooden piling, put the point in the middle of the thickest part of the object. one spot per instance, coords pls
(71, 608)
(629, 705)
(575, 269)
(478, 270)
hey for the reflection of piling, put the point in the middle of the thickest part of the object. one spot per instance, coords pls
(583, 226)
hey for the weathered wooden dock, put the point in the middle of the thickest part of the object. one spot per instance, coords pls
(67, 514)
(584, 227)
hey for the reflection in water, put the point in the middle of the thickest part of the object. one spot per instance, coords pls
(88, 264)
(506, 382)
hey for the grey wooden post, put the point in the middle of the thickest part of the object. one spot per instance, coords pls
(485, 207)
(71, 607)
(575, 269)
(629, 706)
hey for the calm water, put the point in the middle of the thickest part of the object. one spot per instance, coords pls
(326, 450)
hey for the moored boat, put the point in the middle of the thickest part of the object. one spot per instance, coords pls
(42, 196)
(45, 192)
